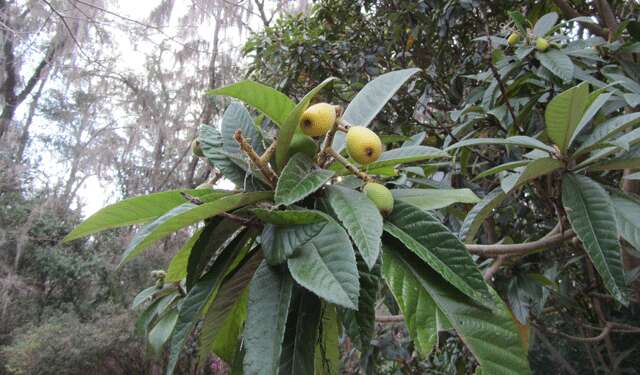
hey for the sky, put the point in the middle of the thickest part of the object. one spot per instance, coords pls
(95, 193)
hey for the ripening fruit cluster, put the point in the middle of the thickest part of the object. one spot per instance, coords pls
(364, 146)
(541, 43)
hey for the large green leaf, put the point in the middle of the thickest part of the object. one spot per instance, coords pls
(608, 129)
(185, 215)
(545, 24)
(490, 334)
(269, 298)
(534, 169)
(407, 154)
(435, 244)
(589, 113)
(415, 140)
(627, 160)
(280, 242)
(138, 210)
(360, 217)
(628, 217)
(360, 323)
(230, 165)
(289, 217)
(291, 123)
(155, 309)
(298, 348)
(267, 100)
(177, 269)
(503, 167)
(592, 217)
(563, 113)
(300, 178)
(144, 296)
(371, 99)
(161, 332)
(326, 265)
(327, 354)
(222, 324)
(417, 306)
(197, 299)
(215, 234)
(432, 199)
(397, 156)
(518, 140)
(557, 63)
(236, 117)
(479, 214)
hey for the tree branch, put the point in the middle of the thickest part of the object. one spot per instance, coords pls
(607, 15)
(603, 334)
(495, 266)
(570, 12)
(521, 248)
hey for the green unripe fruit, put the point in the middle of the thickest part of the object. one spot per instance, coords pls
(542, 44)
(513, 39)
(304, 144)
(380, 196)
(363, 145)
(318, 119)
(196, 148)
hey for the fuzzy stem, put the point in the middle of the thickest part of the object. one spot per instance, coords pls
(323, 156)
(268, 153)
(352, 168)
(264, 167)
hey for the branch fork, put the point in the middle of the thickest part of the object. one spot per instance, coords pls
(261, 162)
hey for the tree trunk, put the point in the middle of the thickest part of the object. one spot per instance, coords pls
(24, 137)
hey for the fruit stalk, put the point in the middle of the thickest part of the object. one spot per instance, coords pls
(323, 156)
(343, 125)
(264, 167)
(352, 168)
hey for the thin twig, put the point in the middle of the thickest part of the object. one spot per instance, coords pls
(324, 154)
(389, 318)
(352, 168)
(264, 167)
(496, 74)
(268, 153)
(495, 266)
(603, 334)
